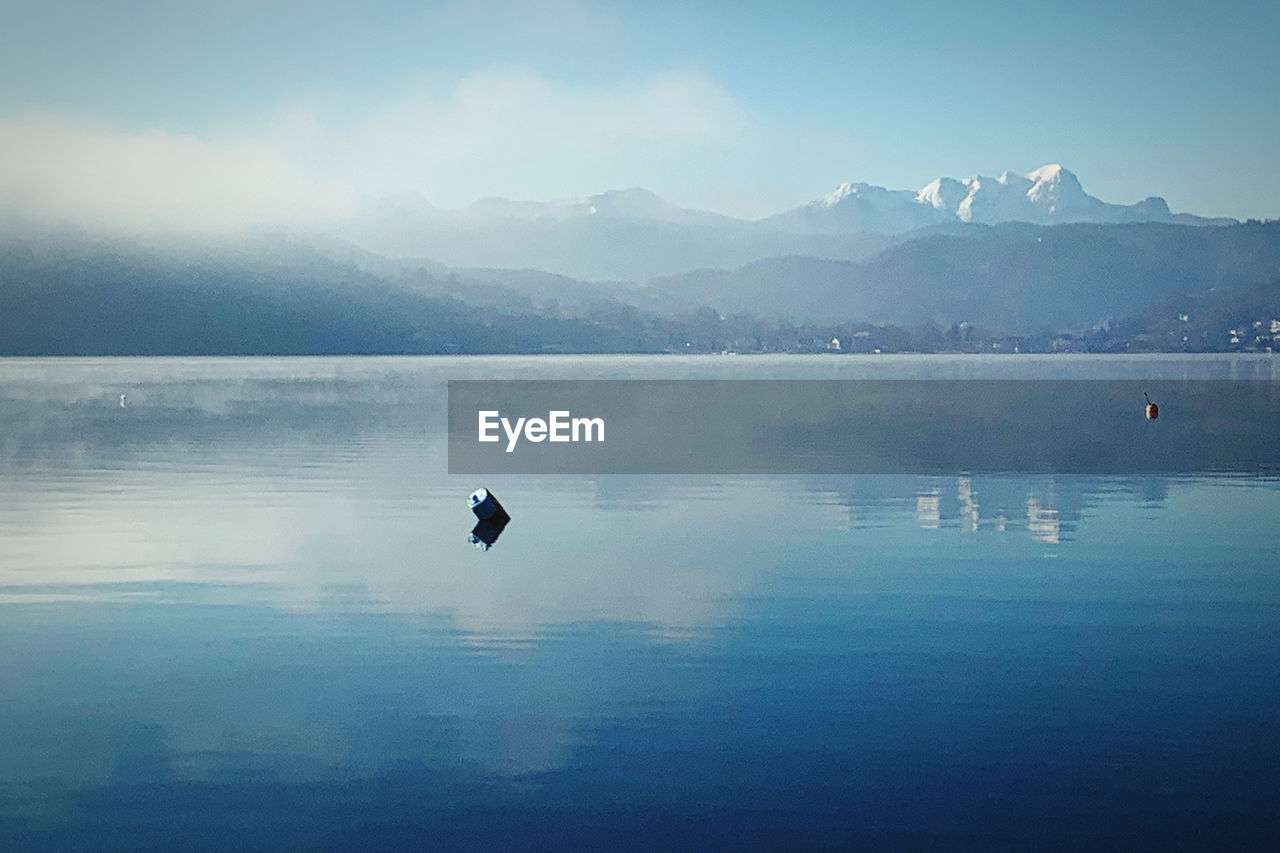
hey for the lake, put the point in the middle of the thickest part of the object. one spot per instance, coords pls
(239, 610)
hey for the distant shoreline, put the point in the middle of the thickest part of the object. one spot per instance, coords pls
(860, 356)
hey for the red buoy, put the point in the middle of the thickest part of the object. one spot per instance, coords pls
(1153, 411)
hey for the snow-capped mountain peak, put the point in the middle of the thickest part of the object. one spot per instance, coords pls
(844, 191)
(1058, 189)
(943, 194)
(1047, 195)
(1052, 173)
(1010, 178)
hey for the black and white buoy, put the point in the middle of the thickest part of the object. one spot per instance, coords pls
(484, 504)
(493, 519)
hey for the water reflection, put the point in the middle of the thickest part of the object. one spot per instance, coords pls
(240, 612)
(487, 530)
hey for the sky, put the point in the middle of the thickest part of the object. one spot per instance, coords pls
(218, 113)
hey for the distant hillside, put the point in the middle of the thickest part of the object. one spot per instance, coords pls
(1223, 320)
(73, 297)
(970, 288)
(1012, 277)
(588, 247)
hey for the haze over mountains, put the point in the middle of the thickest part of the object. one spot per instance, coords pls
(624, 271)
(629, 235)
(1014, 277)
(634, 235)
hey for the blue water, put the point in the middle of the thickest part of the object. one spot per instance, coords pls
(241, 612)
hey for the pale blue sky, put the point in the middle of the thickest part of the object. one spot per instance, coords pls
(741, 107)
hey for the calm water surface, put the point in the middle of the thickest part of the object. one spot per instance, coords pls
(241, 612)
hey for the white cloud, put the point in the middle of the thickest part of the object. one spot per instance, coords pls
(88, 172)
(505, 132)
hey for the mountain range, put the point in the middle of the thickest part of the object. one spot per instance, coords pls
(1014, 277)
(76, 294)
(624, 271)
(634, 235)
(1048, 195)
